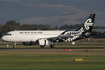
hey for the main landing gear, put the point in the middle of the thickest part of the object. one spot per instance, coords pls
(51, 46)
(42, 46)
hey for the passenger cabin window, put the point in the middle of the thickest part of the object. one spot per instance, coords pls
(21, 32)
(30, 33)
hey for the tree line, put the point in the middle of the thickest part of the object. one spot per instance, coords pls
(13, 25)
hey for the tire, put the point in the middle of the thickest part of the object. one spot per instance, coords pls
(14, 46)
(52, 46)
(42, 46)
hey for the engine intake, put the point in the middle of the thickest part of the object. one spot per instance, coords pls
(43, 42)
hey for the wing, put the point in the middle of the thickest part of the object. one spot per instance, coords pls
(59, 38)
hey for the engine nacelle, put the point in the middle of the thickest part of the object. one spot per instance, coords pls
(43, 42)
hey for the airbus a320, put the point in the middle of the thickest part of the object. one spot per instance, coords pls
(48, 37)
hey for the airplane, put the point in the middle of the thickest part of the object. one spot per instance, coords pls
(49, 37)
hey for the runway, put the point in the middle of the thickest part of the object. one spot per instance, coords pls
(76, 46)
(26, 50)
(66, 44)
(49, 50)
(60, 48)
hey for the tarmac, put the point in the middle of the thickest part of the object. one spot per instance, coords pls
(62, 47)
(50, 51)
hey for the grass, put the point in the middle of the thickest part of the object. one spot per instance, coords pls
(10, 60)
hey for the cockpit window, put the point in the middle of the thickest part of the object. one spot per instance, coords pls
(8, 34)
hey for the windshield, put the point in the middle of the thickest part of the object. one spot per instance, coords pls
(7, 34)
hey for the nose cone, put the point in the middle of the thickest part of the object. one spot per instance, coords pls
(3, 38)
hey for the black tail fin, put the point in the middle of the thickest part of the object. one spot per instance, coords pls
(88, 24)
(84, 31)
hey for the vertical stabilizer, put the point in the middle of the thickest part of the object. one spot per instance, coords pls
(88, 24)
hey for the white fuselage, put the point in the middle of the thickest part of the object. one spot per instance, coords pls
(29, 35)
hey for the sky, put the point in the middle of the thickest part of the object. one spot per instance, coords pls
(53, 12)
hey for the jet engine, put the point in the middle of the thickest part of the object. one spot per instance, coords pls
(43, 42)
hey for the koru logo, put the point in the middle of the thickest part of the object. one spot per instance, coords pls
(87, 24)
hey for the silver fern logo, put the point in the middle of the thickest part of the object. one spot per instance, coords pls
(88, 23)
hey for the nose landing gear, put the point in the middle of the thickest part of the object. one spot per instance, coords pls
(14, 46)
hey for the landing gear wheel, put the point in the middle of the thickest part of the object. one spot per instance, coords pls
(42, 46)
(14, 46)
(52, 46)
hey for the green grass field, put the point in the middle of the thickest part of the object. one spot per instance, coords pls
(14, 60)
(32, 59)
